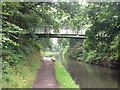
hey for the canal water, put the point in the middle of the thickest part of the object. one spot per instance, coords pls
(92, 76)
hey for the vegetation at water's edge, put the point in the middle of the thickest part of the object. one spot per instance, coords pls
(102, 43)
(63, 77)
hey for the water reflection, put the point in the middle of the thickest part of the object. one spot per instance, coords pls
(91, 76)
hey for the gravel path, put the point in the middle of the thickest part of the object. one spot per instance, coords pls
(46, 75)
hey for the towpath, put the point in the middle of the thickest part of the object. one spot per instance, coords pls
(46, 75)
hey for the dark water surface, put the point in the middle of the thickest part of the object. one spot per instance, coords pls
(92, 76)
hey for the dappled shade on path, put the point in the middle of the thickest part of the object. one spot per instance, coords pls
(46, 75)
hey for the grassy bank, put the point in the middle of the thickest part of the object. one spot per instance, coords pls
(23, 74)
(48, 53)
(63, 77)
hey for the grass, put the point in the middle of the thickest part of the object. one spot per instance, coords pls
(48, 53)
(24, 73)
(63, 77)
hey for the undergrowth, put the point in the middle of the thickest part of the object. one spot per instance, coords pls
(23, 74)
(20, 62)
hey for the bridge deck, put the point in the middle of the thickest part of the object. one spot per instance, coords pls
(77, 36)
(61, 36)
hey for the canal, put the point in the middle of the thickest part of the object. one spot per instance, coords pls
(91, 76)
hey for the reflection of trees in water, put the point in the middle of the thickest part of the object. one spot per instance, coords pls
(87, 74)
(102, 72)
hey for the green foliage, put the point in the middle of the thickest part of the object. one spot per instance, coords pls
(77, 15)
(102, 43)
(115, 49)
(103, 33)
(63, 42)
(23, 74)
(29, 15)
(65, 51)
(16, 20)
(15, 62)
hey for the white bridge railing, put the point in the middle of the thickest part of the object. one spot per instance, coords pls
(43, 30)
